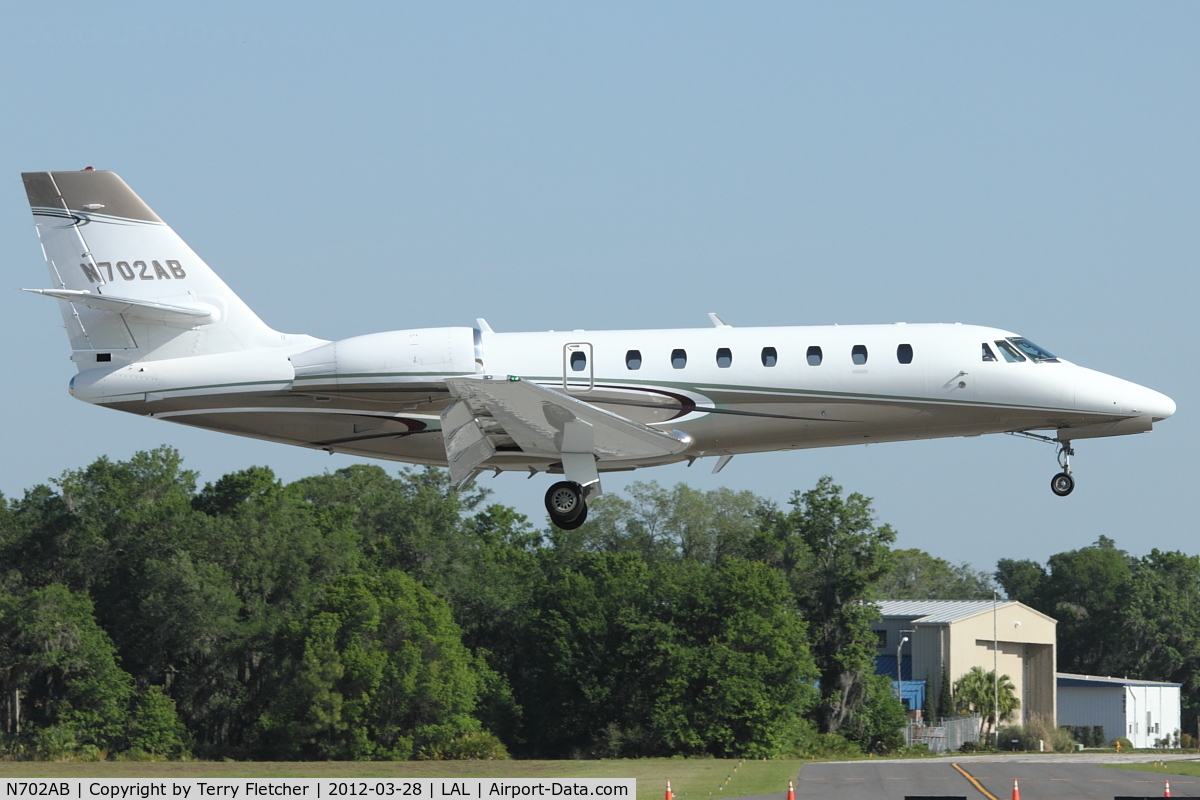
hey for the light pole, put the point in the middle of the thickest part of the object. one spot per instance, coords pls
(995, 674)
(900, 670)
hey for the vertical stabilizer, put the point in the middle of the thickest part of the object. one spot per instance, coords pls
(126, 283)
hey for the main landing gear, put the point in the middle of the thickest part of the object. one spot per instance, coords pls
(567, 505)
(566, 501)
(1063, 483)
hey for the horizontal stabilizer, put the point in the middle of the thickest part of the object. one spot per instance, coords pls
(192, 313)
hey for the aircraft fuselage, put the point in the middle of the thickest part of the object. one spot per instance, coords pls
(732, 390)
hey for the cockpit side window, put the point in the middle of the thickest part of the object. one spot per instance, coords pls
(1010, 353)
(988, 355)
(1030, 349)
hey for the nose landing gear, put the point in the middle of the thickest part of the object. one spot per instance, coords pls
(1063, 484)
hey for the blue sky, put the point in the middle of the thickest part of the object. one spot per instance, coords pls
(355, 167)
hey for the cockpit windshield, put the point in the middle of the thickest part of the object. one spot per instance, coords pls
(1030, 349)
(1010, 353)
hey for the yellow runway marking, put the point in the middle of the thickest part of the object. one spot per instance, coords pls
(974, 782)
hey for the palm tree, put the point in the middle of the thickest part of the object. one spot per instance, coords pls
(975, 693)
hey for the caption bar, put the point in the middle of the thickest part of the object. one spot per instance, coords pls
(320, 788)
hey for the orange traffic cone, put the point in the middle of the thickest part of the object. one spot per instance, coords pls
(669, 796)
(1166, 788)
(1016, 790)
(791, 792)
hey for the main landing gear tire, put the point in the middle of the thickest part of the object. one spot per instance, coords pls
(1062, 484)
(565, 505)
(575, 523)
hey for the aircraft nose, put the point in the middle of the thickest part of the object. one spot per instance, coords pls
(1095, 391)
(1155, 404)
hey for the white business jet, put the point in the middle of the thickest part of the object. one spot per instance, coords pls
(155, 332)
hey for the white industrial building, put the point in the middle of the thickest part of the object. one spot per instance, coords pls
(1144, 712)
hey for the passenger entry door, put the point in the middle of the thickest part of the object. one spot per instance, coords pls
(578, 371)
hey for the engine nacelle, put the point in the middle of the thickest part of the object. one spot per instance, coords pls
(420, 355)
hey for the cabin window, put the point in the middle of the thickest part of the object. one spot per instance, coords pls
(104, 356)
(1032, 350)
(679, 359)
(578, 361)
(1010, 353)
(904, 354)
(633, 359)
(881, 639)
(769, 356)
(724, 358)
(859, 354)
(988, 355)
(814, 356)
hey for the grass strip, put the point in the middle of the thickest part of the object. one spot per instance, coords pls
(1168, 767)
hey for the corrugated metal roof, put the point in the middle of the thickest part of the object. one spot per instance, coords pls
(936, 611)
(1070, 679)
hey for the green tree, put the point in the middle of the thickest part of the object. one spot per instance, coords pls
(1119, 615)
(414, 522)
(916, 575)
(379, 672)
(1023, 581)
(740, 683)
(64, 667)
(876, 725)
(838, 555)
(656, 522)
(154, 725)
(928, 708)
(1088, 591)
(627, 658)
(945, 698)
(976, 693)
(1161, 625)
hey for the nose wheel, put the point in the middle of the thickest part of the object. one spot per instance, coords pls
(566, 505)
(1063, 484)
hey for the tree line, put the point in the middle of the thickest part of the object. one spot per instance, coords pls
(363, 614)
(1118, 614)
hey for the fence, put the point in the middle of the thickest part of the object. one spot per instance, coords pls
(945, 737)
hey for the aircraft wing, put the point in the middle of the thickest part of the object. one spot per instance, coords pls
(543, 422)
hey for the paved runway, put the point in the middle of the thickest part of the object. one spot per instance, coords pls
(893, 780)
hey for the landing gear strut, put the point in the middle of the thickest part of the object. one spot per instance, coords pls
(566, 505)
(1063, 484)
